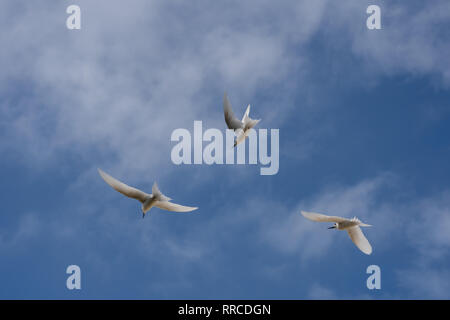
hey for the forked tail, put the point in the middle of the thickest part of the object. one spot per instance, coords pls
(360, 223)
(158, 194)
(364, 225)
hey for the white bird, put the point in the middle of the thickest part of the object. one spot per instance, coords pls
(155, 199)
(241, 127)
(351, 225)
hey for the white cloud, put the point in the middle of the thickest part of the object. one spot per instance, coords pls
(123, 82)
(426, 283)
(417, 224)
(294, 234)
(28, 228)
(411, 42)
(427, 231)
(319, 292)
(119, 86)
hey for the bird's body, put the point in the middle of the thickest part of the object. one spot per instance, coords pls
(352, 226)
(154, 199)
(148, 204)
(344, 225)
(241, 127)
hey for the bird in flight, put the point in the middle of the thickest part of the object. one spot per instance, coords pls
(352, 226)
(155, 199)
(241, 127)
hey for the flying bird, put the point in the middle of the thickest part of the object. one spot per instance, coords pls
(155, 199)
(241, 127)
(352, 226)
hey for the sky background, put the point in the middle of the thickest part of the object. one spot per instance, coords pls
(364, 131)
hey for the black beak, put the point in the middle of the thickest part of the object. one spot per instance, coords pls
(333, 227)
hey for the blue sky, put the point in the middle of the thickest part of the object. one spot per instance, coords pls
(364, 125)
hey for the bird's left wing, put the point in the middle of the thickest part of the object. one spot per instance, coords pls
(166, 205)
(322, 217)
(123, 188)
(230, 118)
(359, 239)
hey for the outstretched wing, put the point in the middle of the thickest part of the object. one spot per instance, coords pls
(123, 188)
(166, 205)
(359, 239)
(322, 217)
(231, 120)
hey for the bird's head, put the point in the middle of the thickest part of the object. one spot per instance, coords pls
(334, 226)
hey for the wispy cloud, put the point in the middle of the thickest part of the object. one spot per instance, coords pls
(319, 292)
(86, 91)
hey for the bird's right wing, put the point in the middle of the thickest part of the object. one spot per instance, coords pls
(231, 120)
(322, 217)
(359, 239)
(246, 114)
(123, 188)
(166, 205)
